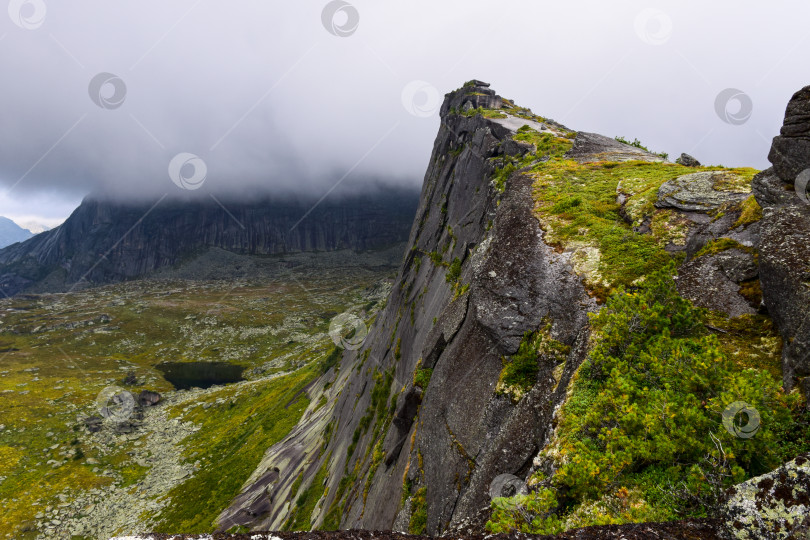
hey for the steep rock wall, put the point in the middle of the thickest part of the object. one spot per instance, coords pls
(437, 449)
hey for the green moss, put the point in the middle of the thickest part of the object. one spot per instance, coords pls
(418, 522)
(436, 258)
(520, 370)
(720, 245)
(577, 208)
(751, 212)
(421, 377)
(454, 271)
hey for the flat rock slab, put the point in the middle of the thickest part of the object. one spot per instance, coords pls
(693, 529)
(697, 192)
(591, 147)
(514, 123)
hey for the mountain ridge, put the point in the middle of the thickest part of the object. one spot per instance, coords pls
(494, 259)
(105, 241)
(11, 232)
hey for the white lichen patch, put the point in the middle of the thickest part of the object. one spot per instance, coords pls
(774, 505)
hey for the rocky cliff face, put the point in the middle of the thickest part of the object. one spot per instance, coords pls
(418, 422)
(104, 241)
(476, 278)
(785, 238)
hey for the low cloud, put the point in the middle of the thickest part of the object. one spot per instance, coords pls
(293, 97)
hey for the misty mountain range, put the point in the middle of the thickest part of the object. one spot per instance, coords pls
(107, 241)
(11, 232)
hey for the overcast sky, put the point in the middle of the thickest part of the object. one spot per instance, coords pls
(296, 95)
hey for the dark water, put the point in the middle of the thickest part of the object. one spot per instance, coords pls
(185, 375)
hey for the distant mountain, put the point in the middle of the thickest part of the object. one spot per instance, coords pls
(34, 227)
(11, 233)
(105, 242)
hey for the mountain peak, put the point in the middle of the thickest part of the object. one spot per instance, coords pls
(11, 232)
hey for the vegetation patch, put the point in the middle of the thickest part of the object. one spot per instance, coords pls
(418, 522)
(234, 439)
(421, 377)
(750, 212)
(520, 370)
(722, 244)
(641, 436)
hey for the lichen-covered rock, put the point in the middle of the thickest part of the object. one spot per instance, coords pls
(773, 506)
(784, 271)
(687, 161)
(698, 192)
(713, 281)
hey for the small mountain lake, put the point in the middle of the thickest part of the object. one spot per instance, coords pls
(186, 375)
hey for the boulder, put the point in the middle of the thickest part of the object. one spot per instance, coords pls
(774, 505)
(713, 281)
(790, 151)
(148, 398)
(687, 161)
(93, 423)
(698, 192)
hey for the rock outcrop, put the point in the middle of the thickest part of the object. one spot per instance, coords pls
(416, 426)
(784, 243)
(589, 147)
(790, 151)
(437, 449)
(104, 242)
(775, 505)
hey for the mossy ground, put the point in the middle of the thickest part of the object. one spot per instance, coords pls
(579, 210)
(57, 352)
(617, 458)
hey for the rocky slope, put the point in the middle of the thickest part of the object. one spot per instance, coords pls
(418, 420)
(104, 242)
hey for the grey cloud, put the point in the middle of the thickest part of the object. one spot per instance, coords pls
(269, 98)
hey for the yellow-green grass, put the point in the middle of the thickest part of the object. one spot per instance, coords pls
(57, 352)
(231, 443)
(578, 208)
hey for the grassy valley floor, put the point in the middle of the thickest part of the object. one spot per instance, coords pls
(187, 457)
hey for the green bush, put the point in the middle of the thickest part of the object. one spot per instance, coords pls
(641, 436)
